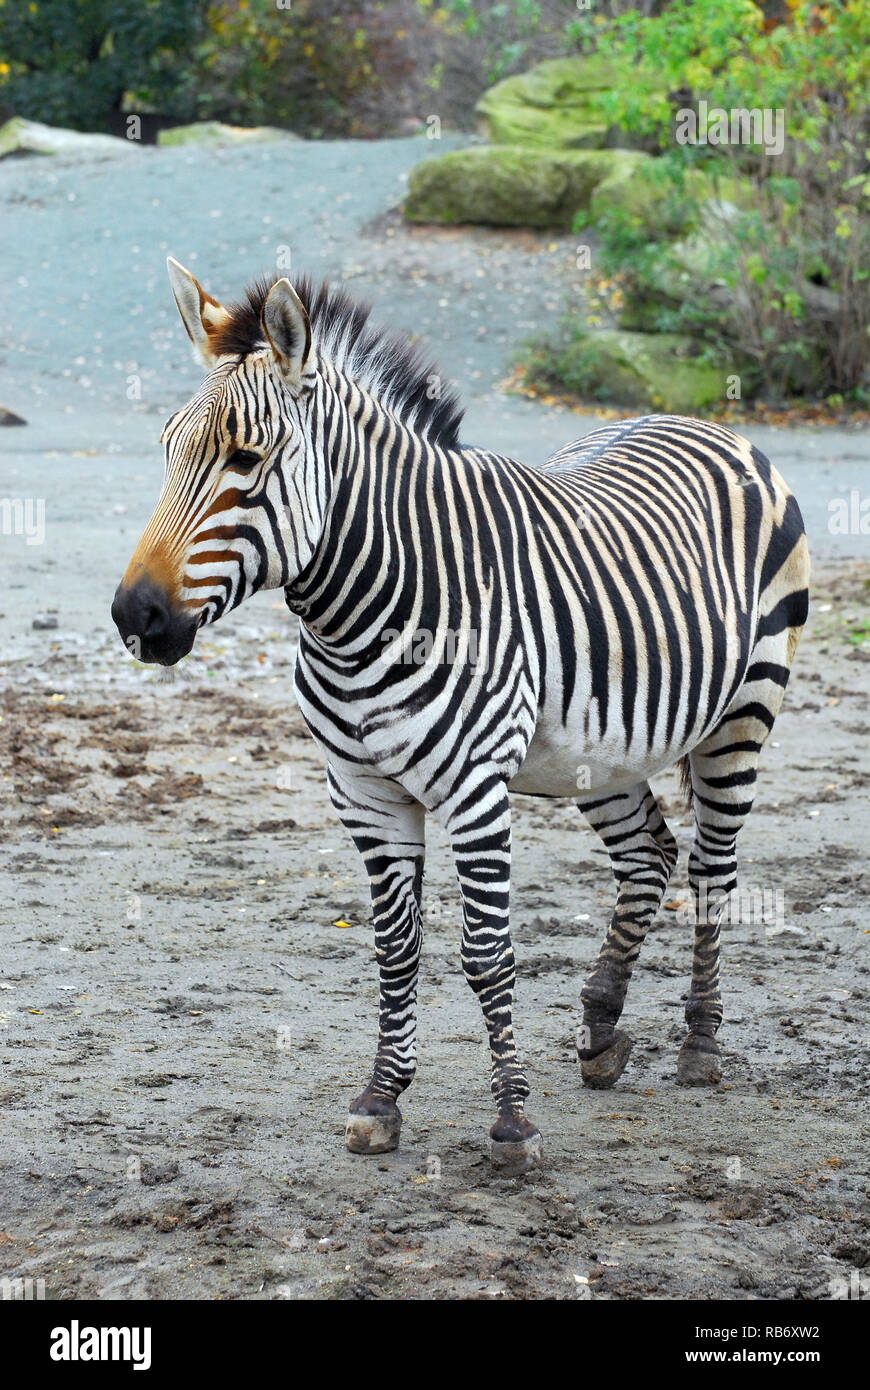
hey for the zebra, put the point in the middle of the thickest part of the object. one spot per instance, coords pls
(636, 603)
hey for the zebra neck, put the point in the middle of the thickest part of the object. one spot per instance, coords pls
(379, 565)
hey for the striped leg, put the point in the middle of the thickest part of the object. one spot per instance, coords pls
(723, 784)
(479, 827)
(724, 769)
(387, 827)
(642, 853)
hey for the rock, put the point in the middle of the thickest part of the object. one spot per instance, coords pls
(645, 192)
(34, 138)
(646, 196)
(642, 310)
(727, 198)
(44, 621)
(8, 417)
(216, 133)
(508, 185)
(657, 371)
(552, 105)
(684, 271)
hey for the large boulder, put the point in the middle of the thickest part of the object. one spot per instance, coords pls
(553, 105)
(646, 194)
(212, 133)
(687, 269)
(647, 371)
(32, 137)
(509, 185)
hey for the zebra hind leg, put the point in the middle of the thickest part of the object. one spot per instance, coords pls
(643, 853)
(723, 773)
(723, 770)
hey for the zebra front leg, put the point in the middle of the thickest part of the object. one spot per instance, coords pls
(642, 854)
(387, 827)
(480, 836)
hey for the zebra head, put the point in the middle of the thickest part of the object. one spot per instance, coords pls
(241, 506)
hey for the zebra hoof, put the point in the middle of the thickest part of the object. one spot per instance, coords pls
(699, 1062)
(517, 1146)
(373, 1134)
(600, 1072)
(512, 1157)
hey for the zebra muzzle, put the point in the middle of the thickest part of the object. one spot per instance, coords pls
(151, 628)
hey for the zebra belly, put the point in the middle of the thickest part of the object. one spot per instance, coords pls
(572, 769)
(563, 759)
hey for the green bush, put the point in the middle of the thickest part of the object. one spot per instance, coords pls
(307, 66)
(75, 63)
(784, 279)
(300, 67)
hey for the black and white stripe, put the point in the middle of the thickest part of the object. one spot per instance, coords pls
(472, 625)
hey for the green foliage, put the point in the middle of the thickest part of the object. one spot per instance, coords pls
(73, 63)
(571, 365)
(785, 279)
(298, 67)
(80, 62)
(504, 27)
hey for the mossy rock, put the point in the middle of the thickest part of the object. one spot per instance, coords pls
(552, 105)
(212, 133)
(32, 137)
(684, 270)
(656, 371)
(645, 194)
(508, 185)
(642, 309)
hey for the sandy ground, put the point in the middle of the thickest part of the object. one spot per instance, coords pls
(182, 1021)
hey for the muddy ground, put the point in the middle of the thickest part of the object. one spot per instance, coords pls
(184, 1018)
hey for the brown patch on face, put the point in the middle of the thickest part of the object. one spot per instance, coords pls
(156, 567)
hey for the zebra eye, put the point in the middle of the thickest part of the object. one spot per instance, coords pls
(243, 458)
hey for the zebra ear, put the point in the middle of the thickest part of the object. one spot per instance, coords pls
(286, 326)
(201, 315)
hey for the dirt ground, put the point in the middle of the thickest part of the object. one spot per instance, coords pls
(184, 1014)
(188, 1002)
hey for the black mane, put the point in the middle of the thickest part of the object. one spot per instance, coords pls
(385, 364)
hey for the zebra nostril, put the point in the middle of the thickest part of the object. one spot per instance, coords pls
(155, 619)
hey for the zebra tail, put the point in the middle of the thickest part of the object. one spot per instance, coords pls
(686, 780)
